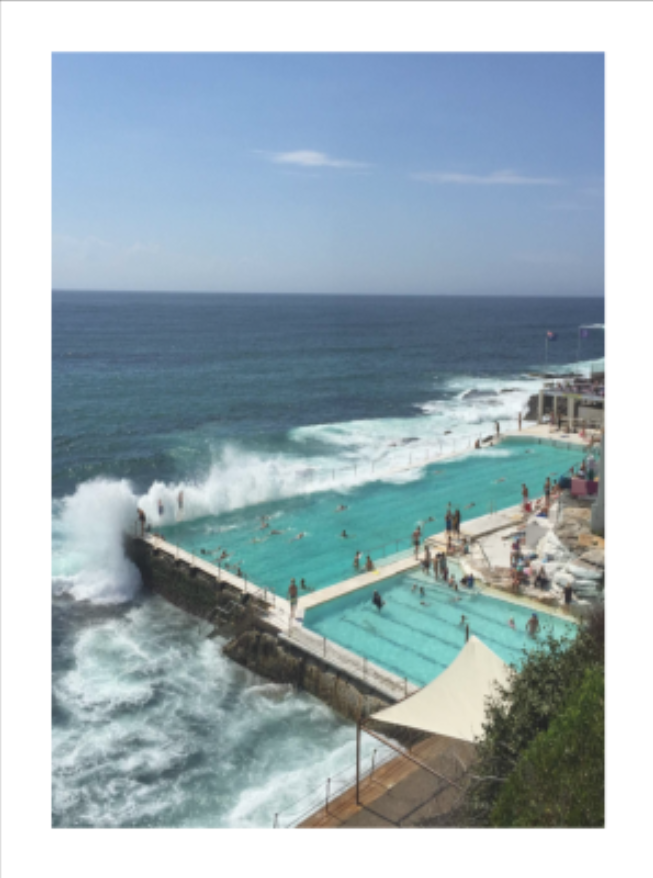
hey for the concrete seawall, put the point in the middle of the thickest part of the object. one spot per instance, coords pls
(254, 643)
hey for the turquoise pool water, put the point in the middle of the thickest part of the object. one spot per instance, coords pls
(418, 636)
(379, 519)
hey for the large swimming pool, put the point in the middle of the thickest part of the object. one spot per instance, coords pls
(418, 635)
(379, 517)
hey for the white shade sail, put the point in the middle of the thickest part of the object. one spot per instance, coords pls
(454, 703)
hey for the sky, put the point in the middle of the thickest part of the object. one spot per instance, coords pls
(422, 174)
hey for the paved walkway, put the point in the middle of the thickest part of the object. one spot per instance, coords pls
(399, 793)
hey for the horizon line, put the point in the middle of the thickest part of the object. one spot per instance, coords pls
(332, 294)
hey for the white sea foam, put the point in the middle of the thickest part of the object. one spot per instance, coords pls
(88, 527)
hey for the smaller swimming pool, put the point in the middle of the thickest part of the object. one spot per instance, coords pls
(418, 635)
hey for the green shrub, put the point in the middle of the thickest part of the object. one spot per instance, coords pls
(559, 780)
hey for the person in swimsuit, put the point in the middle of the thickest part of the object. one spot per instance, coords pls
(547, 493)
(344, 535)
(378, 601)
(524, 495)
(292, 595)
(449, 520)
(533, 625)
(303, 585)
(357, 561)
(369, 564)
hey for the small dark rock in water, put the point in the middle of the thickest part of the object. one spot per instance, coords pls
(446, 432)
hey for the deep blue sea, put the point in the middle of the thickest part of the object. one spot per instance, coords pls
(234, 398)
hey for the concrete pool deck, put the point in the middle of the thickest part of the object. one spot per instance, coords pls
(278, 615)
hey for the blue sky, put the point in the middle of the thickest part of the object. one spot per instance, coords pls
(363, 173)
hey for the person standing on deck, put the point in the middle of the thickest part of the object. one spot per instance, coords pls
(369, 564)
(456, 522)
(357, 561)
(416, 536)
(524, 496)
(427, 559)
(547, 493)
(141, 518)
(292, 595)
(449, 521)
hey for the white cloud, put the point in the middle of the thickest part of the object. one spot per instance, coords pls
(496, 178)
(308, 158)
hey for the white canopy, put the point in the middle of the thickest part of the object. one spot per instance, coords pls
(454, 703)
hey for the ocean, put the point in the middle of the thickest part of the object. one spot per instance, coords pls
(234, 398)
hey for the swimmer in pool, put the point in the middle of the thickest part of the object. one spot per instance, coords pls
(469, 505)
(344, 535)
(511, 622)
(421, 591)
(499, 480)
(264, 525)
(276, 532)
(414, 588)
(463, 619)
(298, 537)
(341, 508)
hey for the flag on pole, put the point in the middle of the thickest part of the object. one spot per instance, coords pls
(551, 336)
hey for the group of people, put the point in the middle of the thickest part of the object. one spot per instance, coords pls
(369, 564)
(142, 518)
(452, 520)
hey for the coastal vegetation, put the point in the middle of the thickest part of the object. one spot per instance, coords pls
(540, 762)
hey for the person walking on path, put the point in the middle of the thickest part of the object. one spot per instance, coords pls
(292, 595)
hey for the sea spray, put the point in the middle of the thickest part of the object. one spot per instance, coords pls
(88, 538)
